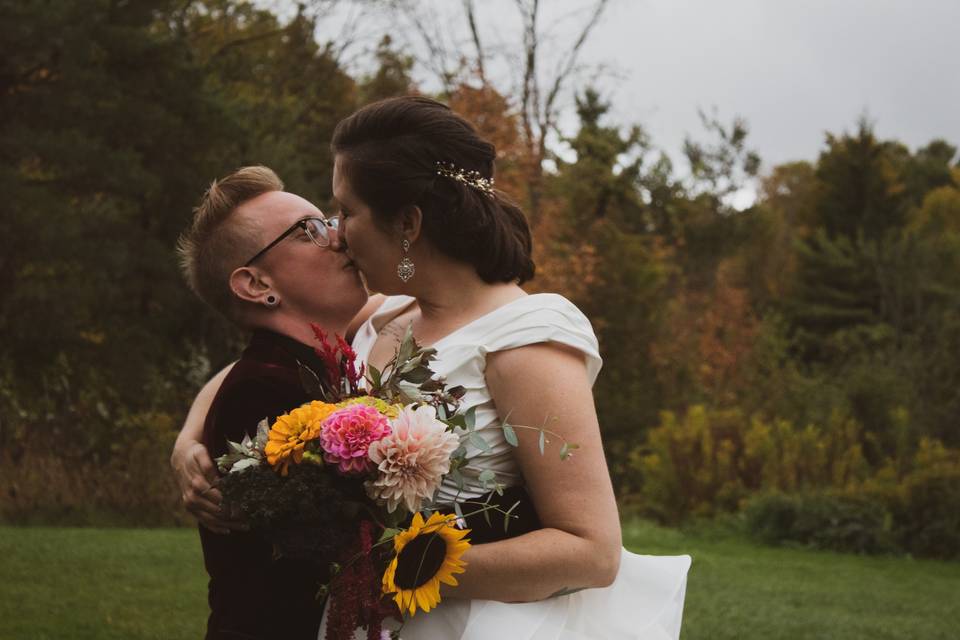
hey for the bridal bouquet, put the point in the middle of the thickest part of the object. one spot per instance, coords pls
(346, 482)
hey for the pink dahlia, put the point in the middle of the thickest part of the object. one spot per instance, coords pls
(412, 460)
(347, 433)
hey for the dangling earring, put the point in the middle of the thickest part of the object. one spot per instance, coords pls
(272, 301)
(406, 269)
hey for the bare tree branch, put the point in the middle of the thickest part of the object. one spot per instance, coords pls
(538, 92)
(569, 63)
(239, 42)
(431, 35)
(349, 34)
(475, 34)
(528, 108)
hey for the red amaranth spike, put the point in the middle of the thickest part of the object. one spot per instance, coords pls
(328, 354)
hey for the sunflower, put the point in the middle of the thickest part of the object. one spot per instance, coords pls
(292, 431)
(426, 555)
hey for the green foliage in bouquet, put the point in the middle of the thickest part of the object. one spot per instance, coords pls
(410, 371)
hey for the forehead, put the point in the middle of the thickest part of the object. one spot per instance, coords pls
(341, 186)
(277, 210)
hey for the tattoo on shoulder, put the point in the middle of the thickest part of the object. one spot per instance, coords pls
(394, 330)
(566, 591)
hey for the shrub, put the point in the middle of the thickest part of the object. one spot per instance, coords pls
(132, 485)
(711, 461)
(917, 512)
(926, 502)
(929, 521)
(838, 522)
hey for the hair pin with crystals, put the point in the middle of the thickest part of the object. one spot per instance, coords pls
(469, 178)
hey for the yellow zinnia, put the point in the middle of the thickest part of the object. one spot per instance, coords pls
(387, 409)
(426, 555)
(292, 431)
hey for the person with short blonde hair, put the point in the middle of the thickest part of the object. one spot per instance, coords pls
(271, 262)
(217, 242)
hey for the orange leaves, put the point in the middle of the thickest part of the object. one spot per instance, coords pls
(708, 335)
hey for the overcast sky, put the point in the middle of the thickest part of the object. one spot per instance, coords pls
(793, 69)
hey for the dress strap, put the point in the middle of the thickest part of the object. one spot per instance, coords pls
(545, 317)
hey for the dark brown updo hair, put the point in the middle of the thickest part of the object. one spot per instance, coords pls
(389, 152)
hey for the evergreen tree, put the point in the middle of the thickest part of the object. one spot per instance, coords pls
(102, 162)
(604, 215)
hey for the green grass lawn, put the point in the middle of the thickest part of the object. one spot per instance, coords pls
(739, 590)
(140, 584)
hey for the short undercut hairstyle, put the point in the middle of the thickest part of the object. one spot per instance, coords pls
(217, 242)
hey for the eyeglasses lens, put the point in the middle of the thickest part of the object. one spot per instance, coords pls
(319, 230)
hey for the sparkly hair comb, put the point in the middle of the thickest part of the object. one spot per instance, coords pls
(469, 178)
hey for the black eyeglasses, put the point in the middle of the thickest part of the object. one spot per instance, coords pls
(317, 229)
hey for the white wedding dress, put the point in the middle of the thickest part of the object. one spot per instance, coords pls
(645, 602)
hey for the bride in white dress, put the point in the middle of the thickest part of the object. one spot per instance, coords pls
(646, 598)
(420, 219)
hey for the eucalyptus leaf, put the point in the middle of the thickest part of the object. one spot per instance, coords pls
(486, 476)
(470, 417)
(542, 442)
(459, 455)
(510, 435)
(478, 441)
(458, 478)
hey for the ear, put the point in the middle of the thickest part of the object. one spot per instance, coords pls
(409, 222)
(250, 285)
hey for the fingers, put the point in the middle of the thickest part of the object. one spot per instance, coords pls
(200, 503)
(198, 478)
(210, 514)
(212, 494)
(204, 502)
(205, 465)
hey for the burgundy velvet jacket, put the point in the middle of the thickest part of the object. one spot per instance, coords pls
(251, 595)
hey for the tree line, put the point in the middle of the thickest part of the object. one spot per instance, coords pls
(805, 344)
